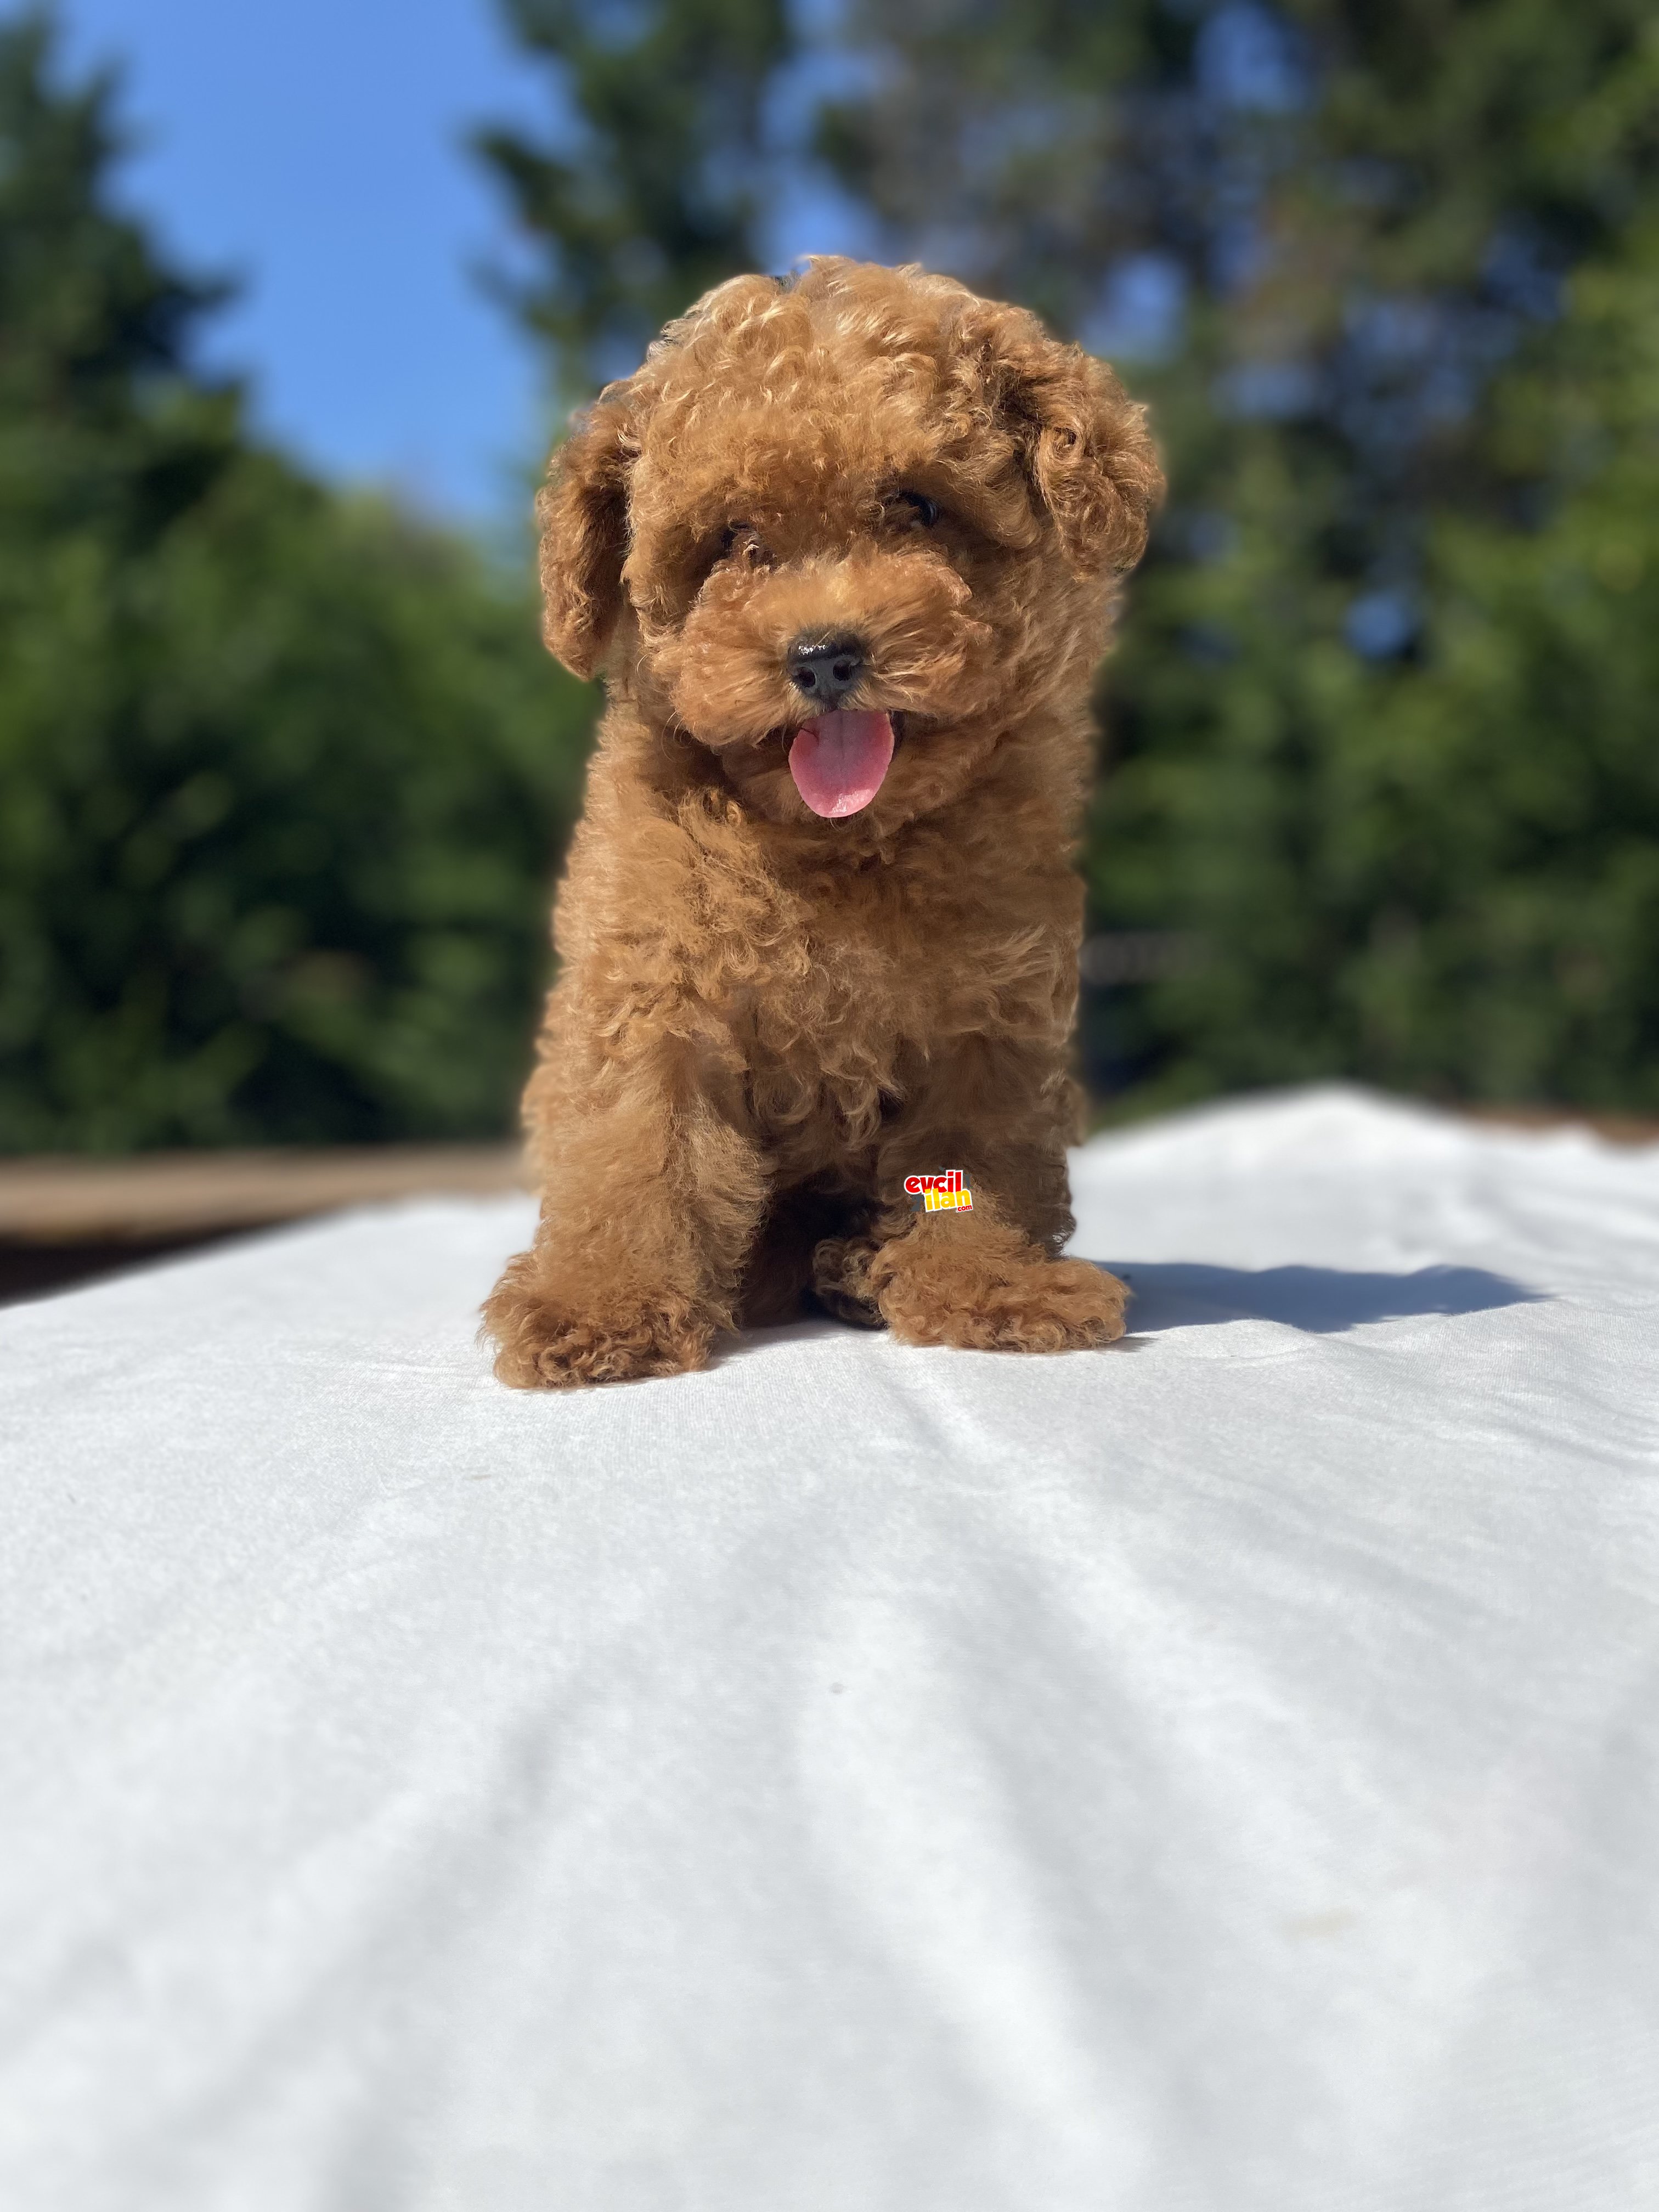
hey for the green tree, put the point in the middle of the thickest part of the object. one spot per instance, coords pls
(654, 188)
(1363, 764)
(283, 774)
(1378, 760)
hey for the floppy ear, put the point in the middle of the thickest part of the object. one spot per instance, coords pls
(1087, 451)
(582, 509)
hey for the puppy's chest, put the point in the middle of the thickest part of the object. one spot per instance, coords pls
(845, 988)
(831, 1037)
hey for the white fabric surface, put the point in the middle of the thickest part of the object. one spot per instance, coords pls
(1219, 1773)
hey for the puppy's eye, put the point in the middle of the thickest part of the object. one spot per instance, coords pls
(740, 541)
(915, 507)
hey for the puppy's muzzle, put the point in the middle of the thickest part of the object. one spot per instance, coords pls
(824, 670)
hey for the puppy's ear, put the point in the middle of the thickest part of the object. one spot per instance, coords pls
(1087, 451)
(582, 509)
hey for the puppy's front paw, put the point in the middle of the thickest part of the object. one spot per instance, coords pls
(1033, 1304)
(558, 1340)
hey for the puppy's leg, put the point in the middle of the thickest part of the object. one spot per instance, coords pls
(989, 1278)
(650, 1208)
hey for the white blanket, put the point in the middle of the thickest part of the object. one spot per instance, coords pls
(1218, 1772)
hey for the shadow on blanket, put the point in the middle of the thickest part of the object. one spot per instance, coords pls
(1322, 1300)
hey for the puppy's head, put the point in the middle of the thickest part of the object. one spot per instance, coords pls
(846, 534)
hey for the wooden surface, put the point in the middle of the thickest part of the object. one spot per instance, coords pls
(160, 1197)
(1617, 1129)
(57, 1200)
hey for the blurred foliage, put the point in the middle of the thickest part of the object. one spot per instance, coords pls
(283, 774)
(653, 189)
(1380, 744)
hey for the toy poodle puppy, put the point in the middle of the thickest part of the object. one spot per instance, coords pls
(846, 549)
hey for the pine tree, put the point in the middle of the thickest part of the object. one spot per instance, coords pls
(282, 775)
(1377, 795)
(1350, 241)
(654, 189)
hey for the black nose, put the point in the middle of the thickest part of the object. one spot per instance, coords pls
(825, 669)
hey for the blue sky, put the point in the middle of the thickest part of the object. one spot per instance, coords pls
(315, 151)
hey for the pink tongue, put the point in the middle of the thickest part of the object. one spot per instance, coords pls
(839, 760)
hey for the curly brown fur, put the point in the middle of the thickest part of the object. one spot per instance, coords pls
(764, 1019)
